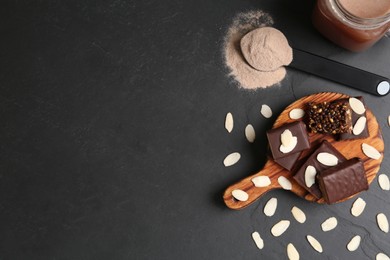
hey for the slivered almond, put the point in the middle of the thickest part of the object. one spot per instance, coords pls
(296, 113)
(285, 183)
(329, 224)
(359, 126)
(261, 181)
(292, 252)
(327, 159)
(383, 224)
(286, 137)
(266, 111)
(358, 207)
(310, 175)
(314, 243)
(258, 240)
(371, 151)
(287, 149)
(382, 256)
(298, 214)
(231, 159)
(280, 227)
(250, 133)
(388, 120)
(354, 243)
(229, 123)
(384, 182)
(270, 207)
(240, 195)
(357, 106)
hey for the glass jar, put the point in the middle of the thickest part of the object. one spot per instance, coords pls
(346, 29)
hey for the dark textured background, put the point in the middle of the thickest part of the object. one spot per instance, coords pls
(112, 134)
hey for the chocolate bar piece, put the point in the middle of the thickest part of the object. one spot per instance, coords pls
(289, 161)
(355, 117)
(299, 176)
(298, 130)
(343, 180)
(330, 117)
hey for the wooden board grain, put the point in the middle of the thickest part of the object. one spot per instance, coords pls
(349, 148)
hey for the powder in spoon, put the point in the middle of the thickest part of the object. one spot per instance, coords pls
(247, 76)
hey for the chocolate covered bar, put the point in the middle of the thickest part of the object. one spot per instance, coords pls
(329, 117)
(343, 180)
(286, 154)
(356, 114)
(312, 160)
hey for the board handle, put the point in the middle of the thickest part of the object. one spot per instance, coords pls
(271, 170)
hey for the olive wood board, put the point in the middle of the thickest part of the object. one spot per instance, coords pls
(349, 148)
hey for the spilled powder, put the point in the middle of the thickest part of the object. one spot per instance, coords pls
(240, 70)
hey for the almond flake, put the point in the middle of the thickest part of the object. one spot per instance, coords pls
(250, 133)
(388, 120)
(280, 227)
(286, 137)
(266, 111)
(261, 181)
(258, 240)
(371, 152)
(358, 207)
(359, 125)
(231, 159)
(354, 243)
(383, 224)
(292, 252)
(229, 123)
(314, 243)
(296, 113)
(384, 182)
(298, 214)
(285, 183)
(357, 106)
(327, 159)
(382, 256)
(329, 224)
(270, 207)
(287, 149)
(240, 195)
(310, 175)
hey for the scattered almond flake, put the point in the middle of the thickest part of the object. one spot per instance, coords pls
(286, 137)
(354, 243)
(298, 214)
(250, 133)
(384, 182)
(296, 113)
(314, 243)
(358, 207)
(258, 240)
(266, 111)
(270, 207)
(388, 120)
(229, 123)
(292, 252)
(310, 175)
(280, 227)
(327, 159)
(287, 149)
(383, 224)
(261, 181)
(371, 152)
(382, 256)
(231, 159)
(285, 183)
(240, 195)
(329, 224)
(357, 106)
(359, 125)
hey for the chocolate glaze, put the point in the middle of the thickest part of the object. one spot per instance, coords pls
(289, 161)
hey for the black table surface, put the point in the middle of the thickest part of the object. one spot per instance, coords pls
(112, 134)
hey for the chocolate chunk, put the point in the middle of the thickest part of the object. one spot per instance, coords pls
(289, 161)
(329, 117)
(298, 129)
(355, 117)
(299, 176)
(343, 180)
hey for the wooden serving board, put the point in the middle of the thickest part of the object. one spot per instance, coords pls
(349, 148)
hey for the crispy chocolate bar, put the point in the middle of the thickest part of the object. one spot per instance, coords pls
(355, 117)
(312, 160)
(343, 180)
(329, 117)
